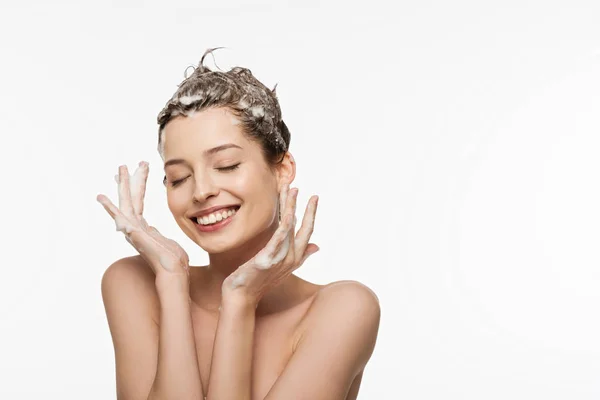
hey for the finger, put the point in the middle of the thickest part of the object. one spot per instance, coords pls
(290, 202)
(121, 221)
(310, 250)
(281, 234)
(283, 199)
(307, 227)
(124, 192)
(293, 205)
(138, 187)
(277, 248)
(110, 208)
(292, 199)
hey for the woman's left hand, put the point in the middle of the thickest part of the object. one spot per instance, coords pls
(284, 253)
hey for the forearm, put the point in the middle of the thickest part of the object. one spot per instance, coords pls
(231, 370)
(177, 375)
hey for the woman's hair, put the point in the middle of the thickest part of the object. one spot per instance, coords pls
(256, 106)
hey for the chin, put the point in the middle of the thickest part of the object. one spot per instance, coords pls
(217, 248)
(236, 243)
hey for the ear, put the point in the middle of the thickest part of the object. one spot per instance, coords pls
(286, 170)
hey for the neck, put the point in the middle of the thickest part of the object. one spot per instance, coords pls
(208, 295)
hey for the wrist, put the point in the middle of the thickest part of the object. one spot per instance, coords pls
(238, 299)
(172, 282)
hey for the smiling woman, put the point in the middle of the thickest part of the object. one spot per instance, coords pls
(243, 326)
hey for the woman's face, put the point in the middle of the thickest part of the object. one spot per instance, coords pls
(200, 176)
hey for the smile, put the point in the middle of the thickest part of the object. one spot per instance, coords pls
(216, 220)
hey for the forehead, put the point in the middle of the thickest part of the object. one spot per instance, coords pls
(201, 130)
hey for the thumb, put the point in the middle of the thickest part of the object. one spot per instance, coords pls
(310, 250)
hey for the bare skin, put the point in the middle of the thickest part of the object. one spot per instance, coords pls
(243, 327)
(278, 326)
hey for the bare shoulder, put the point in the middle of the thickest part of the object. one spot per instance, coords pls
(127, 278)
(347, 294)
(341, 301)
(127, 269)
(339, 332)
(131, 305)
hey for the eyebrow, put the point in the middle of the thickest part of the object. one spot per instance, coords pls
(208, 152)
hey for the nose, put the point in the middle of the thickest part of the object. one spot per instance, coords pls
(204, 189)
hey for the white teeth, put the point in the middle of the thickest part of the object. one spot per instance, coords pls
(216, 217)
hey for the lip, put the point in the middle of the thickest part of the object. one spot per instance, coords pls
(216, 226)
(208, 211)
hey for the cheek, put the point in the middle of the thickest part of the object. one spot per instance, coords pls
(176, 202)
(249, 183)
(257, 189)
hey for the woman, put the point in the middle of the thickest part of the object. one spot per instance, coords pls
(242, 327)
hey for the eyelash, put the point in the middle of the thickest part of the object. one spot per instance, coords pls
(224, 169)
(230, 168)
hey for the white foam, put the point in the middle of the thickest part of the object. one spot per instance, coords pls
(239, 279)
(187, 100)
(124, 225)
(266, 260)
(136, 181)
(257, 111)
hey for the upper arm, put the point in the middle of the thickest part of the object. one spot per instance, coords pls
(129, 299)
(337, 344)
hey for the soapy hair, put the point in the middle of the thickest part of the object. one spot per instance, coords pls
(251, 102)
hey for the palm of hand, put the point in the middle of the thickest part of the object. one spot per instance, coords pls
(162, 254)
(285, 252)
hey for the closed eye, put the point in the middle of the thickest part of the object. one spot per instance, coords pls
(230, 168)
(177, 182)
(225, 169)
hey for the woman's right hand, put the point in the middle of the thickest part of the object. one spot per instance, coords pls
(163, 255)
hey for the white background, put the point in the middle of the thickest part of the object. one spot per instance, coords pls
(454, 146)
